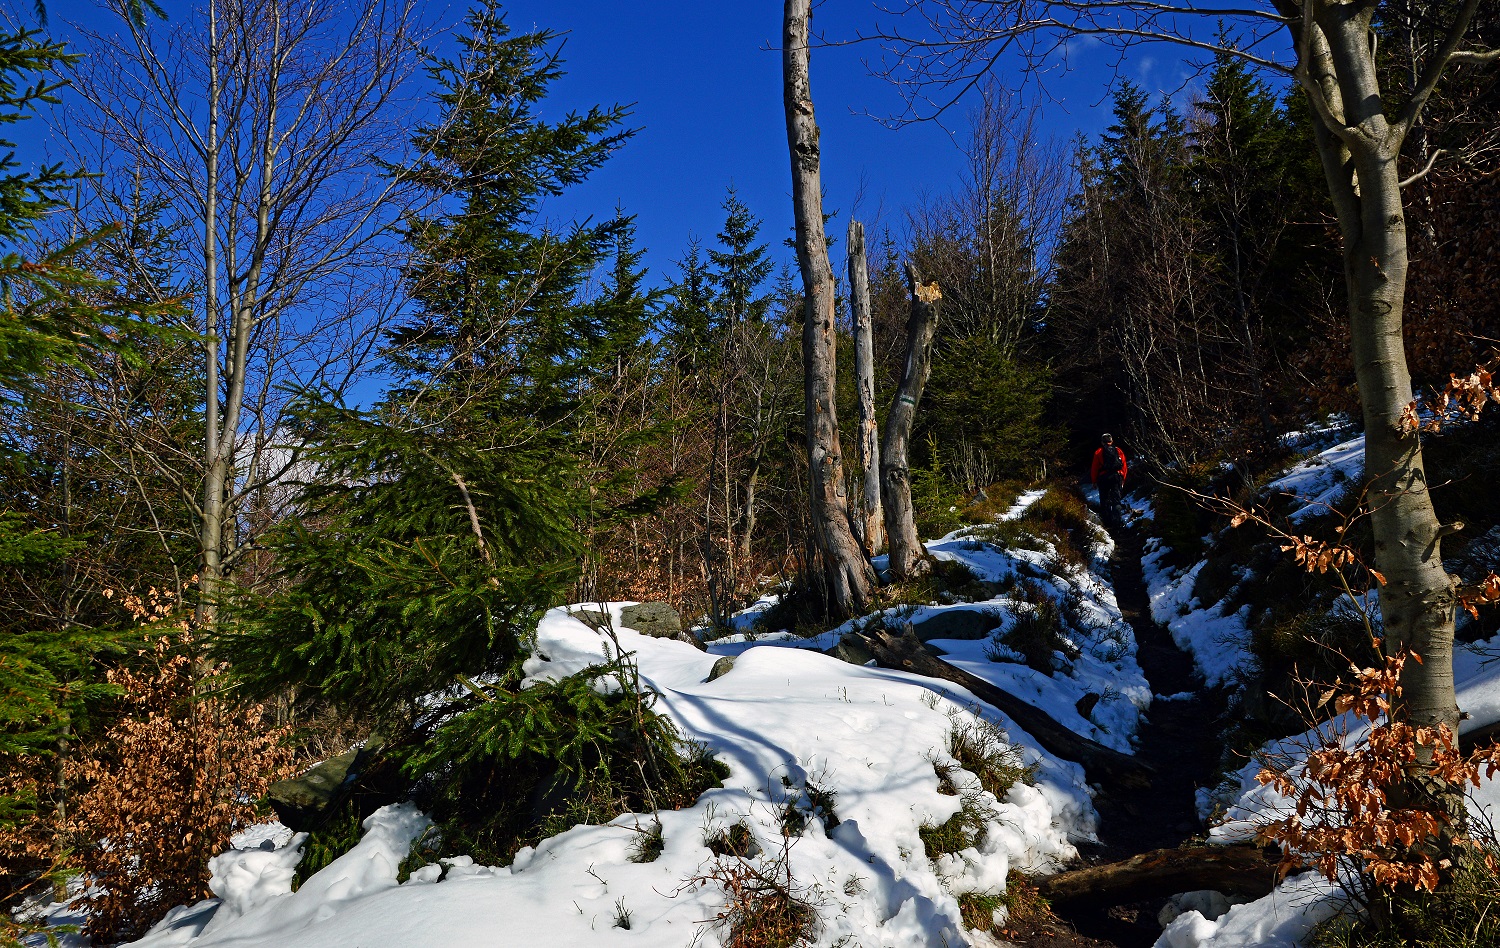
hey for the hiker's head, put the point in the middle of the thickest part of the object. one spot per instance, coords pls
(1107, 440)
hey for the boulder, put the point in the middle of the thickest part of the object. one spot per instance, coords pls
(957, 624)
(656, 619)
(592, 618)
(721, 668)
(306, 801)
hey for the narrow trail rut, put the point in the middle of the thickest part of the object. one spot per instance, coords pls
(1179, 741)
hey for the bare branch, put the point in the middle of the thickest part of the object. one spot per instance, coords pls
(1431, 161)
(1437, 64)
(1471, 57)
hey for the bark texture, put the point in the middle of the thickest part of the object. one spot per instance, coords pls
(846, 571)
(870, 524)
(908, 556)
(1359, 145)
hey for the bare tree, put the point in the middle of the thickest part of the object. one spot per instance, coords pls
(846, 571)
(267, 127)
(1329, 47)
(985, 242)
(870, 525)
(908, 557)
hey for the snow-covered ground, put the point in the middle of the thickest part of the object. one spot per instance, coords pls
(1217, 640)
(1283, 919)
(1214, 634)
(785, 719)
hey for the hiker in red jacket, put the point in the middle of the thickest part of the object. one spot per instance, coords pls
(1108, 474)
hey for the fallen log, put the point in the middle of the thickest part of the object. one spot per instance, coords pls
(1102, 764)
(1162, 873)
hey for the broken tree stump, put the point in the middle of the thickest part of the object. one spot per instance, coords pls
(1102, 764)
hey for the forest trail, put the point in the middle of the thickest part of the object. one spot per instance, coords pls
(1178, 740)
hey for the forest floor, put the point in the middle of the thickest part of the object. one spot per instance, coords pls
(1174, 742)
(795, 723)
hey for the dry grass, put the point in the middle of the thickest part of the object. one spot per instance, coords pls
(977, 747)
(764, 906)
(994, 501)
(737, 840)
(1024, 903)
(1062, 517)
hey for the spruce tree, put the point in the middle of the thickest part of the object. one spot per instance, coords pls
(741, 267)
(444, 520)
(687, 316)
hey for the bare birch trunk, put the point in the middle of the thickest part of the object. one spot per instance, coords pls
(870, 524)
(210, 532)
(845, 568)
(907, 555)
(277, 176)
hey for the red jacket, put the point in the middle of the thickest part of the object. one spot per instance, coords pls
(1099, 459)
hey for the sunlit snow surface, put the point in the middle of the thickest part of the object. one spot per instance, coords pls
(1321, 480)
(783, 718)
(780, 716)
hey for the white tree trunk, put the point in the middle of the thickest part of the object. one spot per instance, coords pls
(907, 555)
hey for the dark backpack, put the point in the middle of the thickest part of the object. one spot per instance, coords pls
(1111, 467)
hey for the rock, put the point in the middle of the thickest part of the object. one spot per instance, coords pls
(656, 619)
(1086, 705)
(957, 624)
(691, 639)
(721, 667)
(592, 618)
(306, 801)
(852, 649)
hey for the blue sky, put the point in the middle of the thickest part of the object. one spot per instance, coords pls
(704, 81)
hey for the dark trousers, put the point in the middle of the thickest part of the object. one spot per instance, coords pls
(1111, 491)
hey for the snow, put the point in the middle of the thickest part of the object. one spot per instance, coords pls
(1303, 901)
(1218, 641)
(1320, 481)
(781, 719)
(784, 719)
(1282, 919)
(256, 904)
